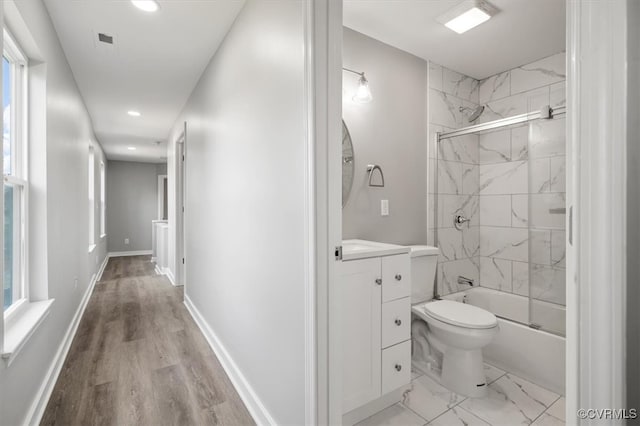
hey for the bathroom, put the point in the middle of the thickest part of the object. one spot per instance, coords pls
(456, 142)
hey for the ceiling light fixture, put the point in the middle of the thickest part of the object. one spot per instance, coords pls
(131, 148)
(363, 93)
(146, 5)
(134, 113)
(468, 14)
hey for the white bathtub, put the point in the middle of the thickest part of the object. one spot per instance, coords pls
(535, 355)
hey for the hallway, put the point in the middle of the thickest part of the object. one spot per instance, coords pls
(139, 359)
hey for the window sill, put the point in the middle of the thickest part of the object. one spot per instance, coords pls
(92, 247)
(21, 326)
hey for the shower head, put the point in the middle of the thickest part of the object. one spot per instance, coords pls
(475, 112)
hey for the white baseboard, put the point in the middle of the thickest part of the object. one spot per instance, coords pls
(39, 404)
(158, 270)
(255, 406)
(101, 269)
(130, 253)
(169, 275)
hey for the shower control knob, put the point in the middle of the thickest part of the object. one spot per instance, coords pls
(398, 322)
(379, 281)
(398, 367)
(398, 277)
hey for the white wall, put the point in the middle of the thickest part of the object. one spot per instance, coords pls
(245, 203)
(132, 203)
(59, 192)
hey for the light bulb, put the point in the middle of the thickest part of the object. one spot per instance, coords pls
(363, 93)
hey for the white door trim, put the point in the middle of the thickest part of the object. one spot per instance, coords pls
(161, 200)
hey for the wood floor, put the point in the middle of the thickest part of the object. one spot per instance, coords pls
(139, 359)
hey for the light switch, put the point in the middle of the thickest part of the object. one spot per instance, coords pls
(384, 207)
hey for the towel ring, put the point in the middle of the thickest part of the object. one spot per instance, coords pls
(371, 168)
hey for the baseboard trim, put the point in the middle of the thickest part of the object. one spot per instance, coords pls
(255, 406)
(169, 275)
(39, 404)
(101, 269)
(130, 253)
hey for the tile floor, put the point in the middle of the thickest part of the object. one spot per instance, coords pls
(511, 401)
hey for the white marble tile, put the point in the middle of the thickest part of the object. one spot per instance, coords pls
(458, 416)
(546, 210)
(444, 109)
(503, 108)
(537, 74)
(459, 85)
(462, 149)
(495, 147)
(470, 179)
(449, 177)
(471, 241)
(435, 76)
(495, 273)
(547, 138)
(450, 244)
(558, 248)
(520, 211)
(536, 99)
(558, 409)
(504, 178)
(495, 87)
(450, 271)
(558, 174)
(520, 278)
(540, 246)
(492, 373)
(393, 416)
(495, 210)
(511, 401)
(520, 143)
(558, 95)
(548, 420)
(429, 399)
(504, 243)
(539, 176)
(548, 284)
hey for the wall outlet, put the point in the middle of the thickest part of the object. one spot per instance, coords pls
(384, 207)
(126, 241)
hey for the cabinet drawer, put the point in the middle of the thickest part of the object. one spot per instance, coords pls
(396, 366)
(396, 277)
(396, 321)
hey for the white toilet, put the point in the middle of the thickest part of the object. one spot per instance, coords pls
(448, 336)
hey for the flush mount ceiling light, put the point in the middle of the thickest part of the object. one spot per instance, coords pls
(131, 148)
(146, 5)
(134, 113)
(363, 93)
(468, 14)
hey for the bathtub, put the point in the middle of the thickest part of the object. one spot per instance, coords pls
(535, 355)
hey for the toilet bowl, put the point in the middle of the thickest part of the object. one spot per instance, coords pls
(448, 336)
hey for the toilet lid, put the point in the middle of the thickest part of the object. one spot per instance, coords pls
(460, 314)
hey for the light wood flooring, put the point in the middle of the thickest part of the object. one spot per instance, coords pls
(139, 359)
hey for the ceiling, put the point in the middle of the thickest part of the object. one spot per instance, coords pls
(152, 67)
(523, 31)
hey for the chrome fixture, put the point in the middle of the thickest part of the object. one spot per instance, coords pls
(363, 93)
(459, 220)
(371, 168)
(465, 281)
(475, 112)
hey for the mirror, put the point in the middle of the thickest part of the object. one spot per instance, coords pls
(347, 163)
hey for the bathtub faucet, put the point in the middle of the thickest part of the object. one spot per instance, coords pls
(464, 280)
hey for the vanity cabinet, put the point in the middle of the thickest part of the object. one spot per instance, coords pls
(376, 331)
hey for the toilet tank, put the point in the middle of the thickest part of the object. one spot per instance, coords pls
(423, 272)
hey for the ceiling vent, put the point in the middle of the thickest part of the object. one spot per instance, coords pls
(105, 38)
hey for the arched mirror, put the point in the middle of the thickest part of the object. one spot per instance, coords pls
(347, 163)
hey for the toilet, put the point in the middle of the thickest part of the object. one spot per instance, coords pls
(448, 336)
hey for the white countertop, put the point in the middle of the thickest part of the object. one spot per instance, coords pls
(361, 249)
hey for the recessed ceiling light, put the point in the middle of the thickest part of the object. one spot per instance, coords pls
(146, 5)
(134, 113)
(131, 148)
(467, 15)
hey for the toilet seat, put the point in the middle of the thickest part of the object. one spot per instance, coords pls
(460, 314)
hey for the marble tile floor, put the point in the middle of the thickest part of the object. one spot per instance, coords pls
(511, 401)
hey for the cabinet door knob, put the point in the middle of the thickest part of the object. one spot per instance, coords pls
(379, 281)
(398, 277)
(398, 322)
(398, 367)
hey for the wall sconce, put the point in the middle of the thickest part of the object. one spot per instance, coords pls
(363, 93)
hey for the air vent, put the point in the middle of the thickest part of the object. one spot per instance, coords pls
(104, 38)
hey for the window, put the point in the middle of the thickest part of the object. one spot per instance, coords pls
(103, 201)
(92, 190)
(16, 186)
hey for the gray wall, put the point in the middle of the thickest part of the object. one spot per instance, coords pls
(389, 131)
(132, 203)
(245, 228)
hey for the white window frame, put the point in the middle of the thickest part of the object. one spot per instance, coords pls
(103, 201)
(18, 178)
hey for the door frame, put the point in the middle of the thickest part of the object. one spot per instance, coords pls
(181, 197)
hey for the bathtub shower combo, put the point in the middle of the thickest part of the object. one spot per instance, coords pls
(499, 222)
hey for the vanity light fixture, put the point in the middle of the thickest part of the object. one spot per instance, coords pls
(468, 14)
(363, 93)
(146, 5)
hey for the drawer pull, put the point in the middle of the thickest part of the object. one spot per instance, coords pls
(398, 367)
(398, 322)
(379, 281)
(398, 277)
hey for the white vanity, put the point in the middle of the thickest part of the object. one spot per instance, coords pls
(375, 280)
